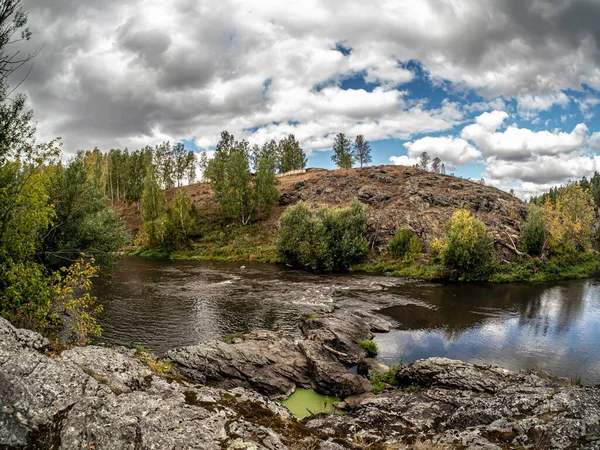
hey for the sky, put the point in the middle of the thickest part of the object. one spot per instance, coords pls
(504, 90)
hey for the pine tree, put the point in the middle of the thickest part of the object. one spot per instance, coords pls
(342, 152)
(436, 165)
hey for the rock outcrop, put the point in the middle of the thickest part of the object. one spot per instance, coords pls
(274, 364)
(106, 398)
(103, 398)
(473, 406)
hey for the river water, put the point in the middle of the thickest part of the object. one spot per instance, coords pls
(167, 304)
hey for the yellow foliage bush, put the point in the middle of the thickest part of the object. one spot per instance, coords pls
(569, 220)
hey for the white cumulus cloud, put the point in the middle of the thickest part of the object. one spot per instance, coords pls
(447, 148)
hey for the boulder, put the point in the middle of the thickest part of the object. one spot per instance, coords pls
(262, 360)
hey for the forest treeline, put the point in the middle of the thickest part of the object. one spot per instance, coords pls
(121, 173)
(592, 186)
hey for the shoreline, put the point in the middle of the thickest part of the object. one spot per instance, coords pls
(531, 271)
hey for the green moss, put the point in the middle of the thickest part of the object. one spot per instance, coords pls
(311, 316)
(370, 347)
(231, 337)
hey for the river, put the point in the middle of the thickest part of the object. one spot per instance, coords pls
(167, 304)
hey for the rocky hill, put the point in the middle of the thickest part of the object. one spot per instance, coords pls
(395, 196)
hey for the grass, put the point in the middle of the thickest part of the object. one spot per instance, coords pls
(370, 347)
(156, 364)
(256, 243)
(231, 337)
(251, 243)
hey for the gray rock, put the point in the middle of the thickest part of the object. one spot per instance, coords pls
(53, 403)
(376, 323)
(369, 367)
(274, 364)
(474, 406)
(261, 360)
(97, 397)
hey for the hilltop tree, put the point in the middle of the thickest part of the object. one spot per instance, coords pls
(190, 164)
(180, 161)
(165, 165)
(291, 156)
(203, 164)
(342, 152)
(436, 165)
(362, 150)
(424, 161)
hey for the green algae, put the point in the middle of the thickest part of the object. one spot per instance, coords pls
(306, 402)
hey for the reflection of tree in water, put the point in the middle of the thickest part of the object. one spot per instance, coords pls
(459, 307)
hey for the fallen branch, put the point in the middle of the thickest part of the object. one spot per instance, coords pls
(335, 352)
(513, 248)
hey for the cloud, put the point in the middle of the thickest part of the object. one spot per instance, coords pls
(520, 144)
(447, 148)
(118, 73)
(542, 170)
(403, 160)
(533, 103)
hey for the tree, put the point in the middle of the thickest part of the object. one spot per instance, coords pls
(362, 150)
(181, 222)
(330, 239)
(265, 190)
(83, 225)
(424, 160)
(436, 165)
(203, 164)
(29, 294)
(165, 164)
(153, 209)
(180, 161)
(443, 169)
(468, 245)
(534, 231)
(342, 152)
(230, 177)
(569, 219)
(291, 155)
(191, 163)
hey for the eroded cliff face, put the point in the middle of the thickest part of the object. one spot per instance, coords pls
(105, 398)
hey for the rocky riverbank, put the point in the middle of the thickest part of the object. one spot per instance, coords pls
(105, 398)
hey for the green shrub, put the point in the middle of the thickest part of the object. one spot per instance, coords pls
(381, 379)
(331, 239)
(469, 246)
(534, 231)
(406, 245)
(370, 347)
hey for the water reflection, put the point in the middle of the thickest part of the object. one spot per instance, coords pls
(167, 304)
(518, 326)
